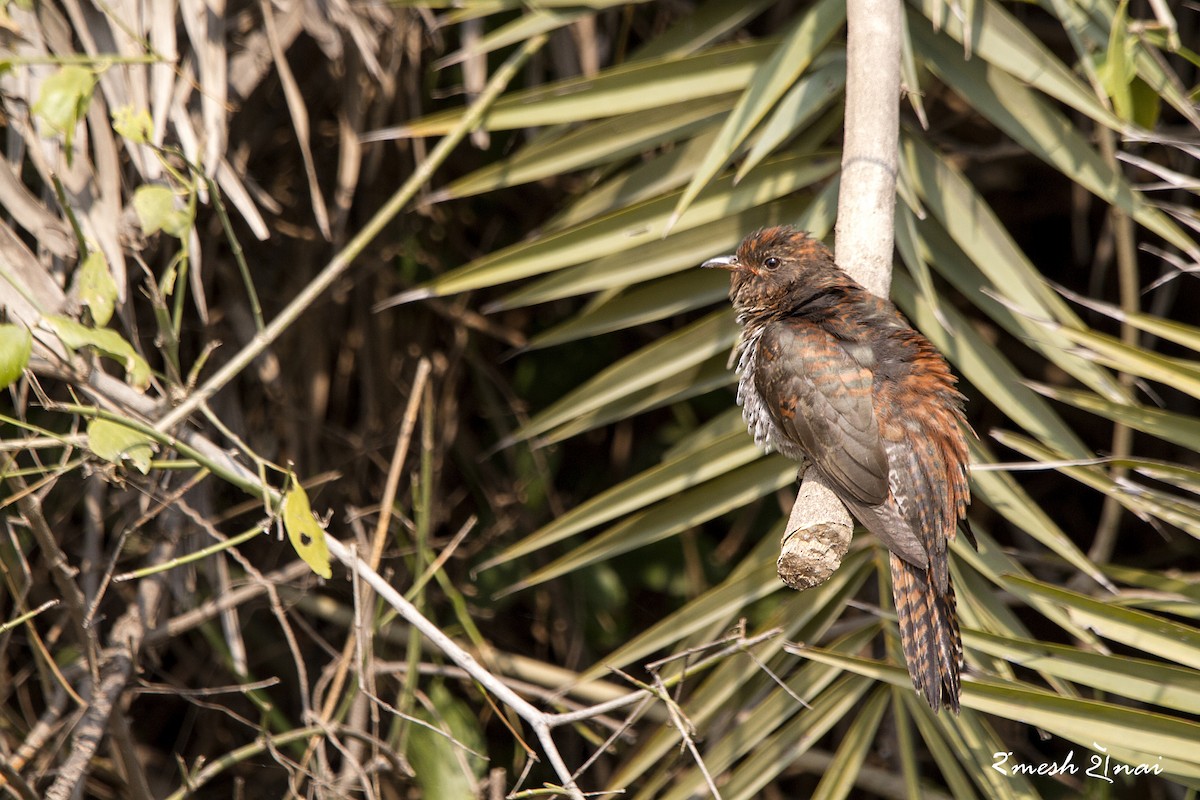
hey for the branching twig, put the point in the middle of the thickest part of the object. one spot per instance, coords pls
(342, 261)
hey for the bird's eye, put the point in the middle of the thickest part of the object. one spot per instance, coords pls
(771, 263)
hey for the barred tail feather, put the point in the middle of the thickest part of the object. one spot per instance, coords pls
(928, 634)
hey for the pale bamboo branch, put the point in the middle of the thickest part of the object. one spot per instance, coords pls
(819, 528)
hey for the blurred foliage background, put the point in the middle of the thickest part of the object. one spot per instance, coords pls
(530, 352)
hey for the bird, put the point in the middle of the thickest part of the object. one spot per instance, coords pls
(835, 376)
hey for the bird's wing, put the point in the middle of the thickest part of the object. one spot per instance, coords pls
(818, 391)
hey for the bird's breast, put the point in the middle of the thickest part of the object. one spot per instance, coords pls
(758, 418)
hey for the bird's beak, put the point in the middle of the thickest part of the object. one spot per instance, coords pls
(722, 262)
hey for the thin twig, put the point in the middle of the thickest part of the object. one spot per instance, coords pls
(354, 248)
(535, 718)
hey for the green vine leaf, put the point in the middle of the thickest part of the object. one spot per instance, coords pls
(95, 287)
(64, 99)
(16, 345)
(116, 443)
(156, 211)
(107, 342)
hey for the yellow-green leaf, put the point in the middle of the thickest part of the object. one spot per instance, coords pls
(95, 287)
(64, 97)
(133, 124)
(108, 342)
(304, 532)
(15, 346)
(116, 443)
(156, 211)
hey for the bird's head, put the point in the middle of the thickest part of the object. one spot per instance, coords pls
(776, 269)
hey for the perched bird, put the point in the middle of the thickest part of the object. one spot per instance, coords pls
(832, 374)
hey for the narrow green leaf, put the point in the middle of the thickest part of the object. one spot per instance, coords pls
(773, 755)
(706, 23)
(646, 179)
(590, 145)
(1160, 582)
(936, 738)
(476, 9)
(991, 252)
(1178, 373)
(987, 368)
(678, 253)
(717, 604)
(810, 32)
(664, 480)
(856, 742)
(689, 508)
(976, 744)
(994, 563)
(1178, 332)
(777, 716)
(803, 103)
(1171, 426)
(1001, 40)
(1141, 500)
(524, 27)
(1116, 69)
(1089, 24)
(674, 353)
(625, 89)
(1149, 633)
(631, 227)
(1033, 122)
(681, 251)
(806, 614)
(1129, 735)
(645, 302)
(674, 387)
(1138, 679)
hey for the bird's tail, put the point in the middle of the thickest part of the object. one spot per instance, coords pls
(928, 633)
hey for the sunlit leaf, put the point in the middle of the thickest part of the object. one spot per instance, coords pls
(665, 480)
(1172, 426)
(631, 227)
(638, 86)
(1139, 679)
(157, 211)
(64, 97)
(590, 145)
(106, 341)
(95, 287)
(1130, 735)
(116, 443)
(16, 345)
(133, 124)
(809, 33)
(304, 532)
(687, 509)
